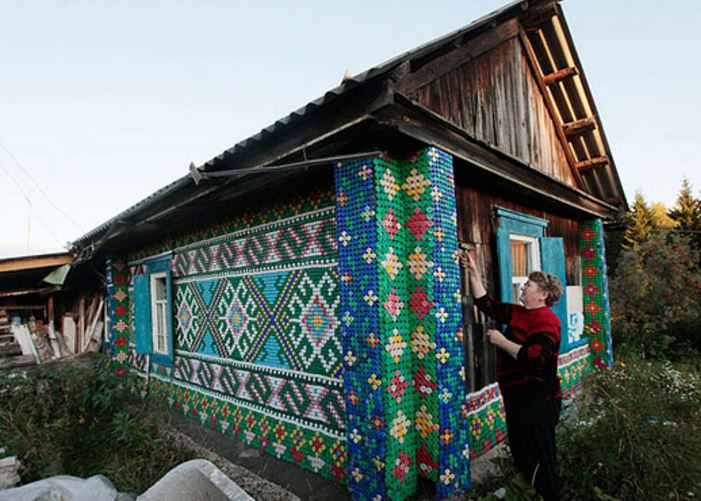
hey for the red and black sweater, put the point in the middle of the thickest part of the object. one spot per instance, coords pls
(534, 371)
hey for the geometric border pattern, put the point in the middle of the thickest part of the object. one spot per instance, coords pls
(315, 402)
(574, 368)
(597, 313)
(258, 214)
(307, 448)
(308, 239)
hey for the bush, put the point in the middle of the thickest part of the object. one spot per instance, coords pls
(80, 420)
(637, 435)
(656, 297)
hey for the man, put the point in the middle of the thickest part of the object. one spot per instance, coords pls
(527, 372)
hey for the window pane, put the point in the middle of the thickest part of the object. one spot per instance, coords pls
(519, 258)
(160, 319)
(160, 288)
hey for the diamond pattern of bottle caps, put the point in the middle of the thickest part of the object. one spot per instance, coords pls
(392, 194)
(396, 223)
(453, 459)
(295, 412)
(597, 312)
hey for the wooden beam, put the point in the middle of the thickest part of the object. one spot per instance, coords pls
(25, 292)
(537, 15)
(33, 262)
(557, 76)
(579, 127)
(550, 105)
(593, 163)
(24, 307)
(414, 120)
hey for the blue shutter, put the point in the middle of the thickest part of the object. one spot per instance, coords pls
(552, 260)
(142, 313)
(505, 271)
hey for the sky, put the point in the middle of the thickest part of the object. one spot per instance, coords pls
(102, 103)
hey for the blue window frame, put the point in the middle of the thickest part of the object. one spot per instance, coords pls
(153, 311)
(525, 235)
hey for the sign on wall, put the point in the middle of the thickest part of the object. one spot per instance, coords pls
(575, 315)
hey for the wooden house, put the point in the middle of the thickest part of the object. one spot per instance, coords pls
(301, 291)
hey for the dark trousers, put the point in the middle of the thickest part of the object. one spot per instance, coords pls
(530, 425)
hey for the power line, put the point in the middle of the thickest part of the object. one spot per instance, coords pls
(38, 186)
(29, 203)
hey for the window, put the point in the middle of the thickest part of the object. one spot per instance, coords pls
(153, 311)
(522, 247)
(525, 258)
(159, 313)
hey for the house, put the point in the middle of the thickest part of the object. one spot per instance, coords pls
(301, 291)
(47, 309)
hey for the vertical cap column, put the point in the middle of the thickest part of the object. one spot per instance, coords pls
(597, 312)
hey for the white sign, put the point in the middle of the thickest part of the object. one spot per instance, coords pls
(575, 314)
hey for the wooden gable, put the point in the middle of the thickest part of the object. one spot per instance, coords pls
(496, 97)
(516, 84)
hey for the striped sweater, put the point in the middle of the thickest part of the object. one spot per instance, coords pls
(534, 371)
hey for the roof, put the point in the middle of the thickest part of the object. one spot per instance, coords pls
(22, 275)
(357, 97)
(35, 261)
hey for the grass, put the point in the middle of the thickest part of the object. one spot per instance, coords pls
(78, 419)
(636, 434)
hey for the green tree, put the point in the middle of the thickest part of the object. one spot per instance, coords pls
(687, 209)
(655, 294)
(640, 223)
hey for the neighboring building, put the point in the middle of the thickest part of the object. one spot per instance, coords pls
(58, 305)
(302, 292)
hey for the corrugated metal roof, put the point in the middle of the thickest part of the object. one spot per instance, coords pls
(380, 71)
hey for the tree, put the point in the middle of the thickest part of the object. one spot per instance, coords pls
(687, 209)
(660, 216)
(640, 224)
(655, 293)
